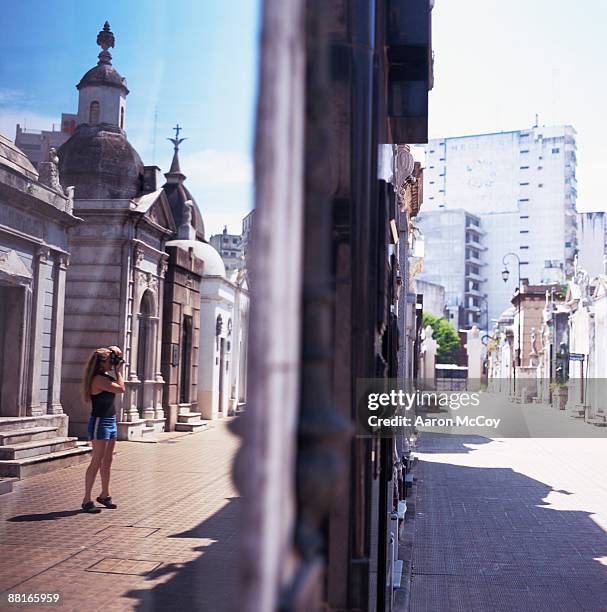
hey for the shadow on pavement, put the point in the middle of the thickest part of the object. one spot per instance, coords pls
(43, 516)
(495, 539)
(449, 443)
(205, 583)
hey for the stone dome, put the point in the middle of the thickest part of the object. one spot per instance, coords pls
(508, 315)
(213, 264)
(14, 158)
(105, 75)
(100, 163)
(177, 195)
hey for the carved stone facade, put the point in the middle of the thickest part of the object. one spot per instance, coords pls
(180, 340)
(34, 232)
(114, 295)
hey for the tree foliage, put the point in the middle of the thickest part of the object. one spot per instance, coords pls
(447, 337)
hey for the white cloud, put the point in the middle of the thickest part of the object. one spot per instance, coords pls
(211, 167)
(12, 96)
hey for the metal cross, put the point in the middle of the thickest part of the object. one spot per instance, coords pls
(177, 141)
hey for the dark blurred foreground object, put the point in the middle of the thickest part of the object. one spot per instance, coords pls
(332, 302)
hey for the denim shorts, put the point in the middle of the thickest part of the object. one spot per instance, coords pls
(102, 428)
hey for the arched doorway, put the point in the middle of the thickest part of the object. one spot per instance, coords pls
(186, 360)
(145, 344)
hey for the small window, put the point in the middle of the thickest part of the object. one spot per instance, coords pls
(523, 247)
(524, 167)
(540, 185)
(524, 217)
(94, 112)
(122, 117)
(525, 151)
(524, 231)
(523, 184)
(524, 199)
(555, 151)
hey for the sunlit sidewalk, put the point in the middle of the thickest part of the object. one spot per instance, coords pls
(169, 545)
(510, 524)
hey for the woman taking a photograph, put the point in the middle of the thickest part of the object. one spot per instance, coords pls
(100, 388)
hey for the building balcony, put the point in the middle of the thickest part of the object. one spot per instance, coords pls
(475, 277)
(475, 260)
(475, 229)
(474, 293)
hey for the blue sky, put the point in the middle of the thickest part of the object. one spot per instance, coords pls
(497, 65)
(192, 62)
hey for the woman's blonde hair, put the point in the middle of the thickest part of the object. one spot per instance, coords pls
(92, 368)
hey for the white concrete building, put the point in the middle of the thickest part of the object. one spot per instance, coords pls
(229, 247)
(433, 295)
(592, 242)
(522, 186)
(36, 144)
(454, 257)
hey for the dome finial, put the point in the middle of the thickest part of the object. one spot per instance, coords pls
(106, 40)
(175, 169)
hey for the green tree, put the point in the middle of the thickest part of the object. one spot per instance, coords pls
(447, 337)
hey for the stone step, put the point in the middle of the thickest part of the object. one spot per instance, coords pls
(37, 447)
(41, 464)
(156, 424)
(11, 423)
(189, 417)
(192, 426)
(6, 485)
(16, 436)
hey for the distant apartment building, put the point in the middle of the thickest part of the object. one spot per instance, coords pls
(229, 247)
(433, 297)
(454, 257)
(522, 187)
(36, 143)
(592, 242)
(247, 227)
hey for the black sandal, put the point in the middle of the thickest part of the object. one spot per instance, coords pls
(90, 507)
(107, 502)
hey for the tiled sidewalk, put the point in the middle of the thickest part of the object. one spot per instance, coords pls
(169, 545)
(512, 525)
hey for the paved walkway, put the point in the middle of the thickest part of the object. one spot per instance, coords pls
(171, 544)
(510, 524)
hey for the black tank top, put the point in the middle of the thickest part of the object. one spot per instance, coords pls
(103, 403)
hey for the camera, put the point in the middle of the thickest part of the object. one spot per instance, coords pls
(115, 359)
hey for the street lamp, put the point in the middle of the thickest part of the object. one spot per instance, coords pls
(505, 276)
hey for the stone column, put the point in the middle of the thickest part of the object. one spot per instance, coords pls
(158, 408)
(57, 333)
(34, 408)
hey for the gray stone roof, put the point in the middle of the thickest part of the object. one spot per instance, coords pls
(14, 158)
(100, 163)
(104, 75)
